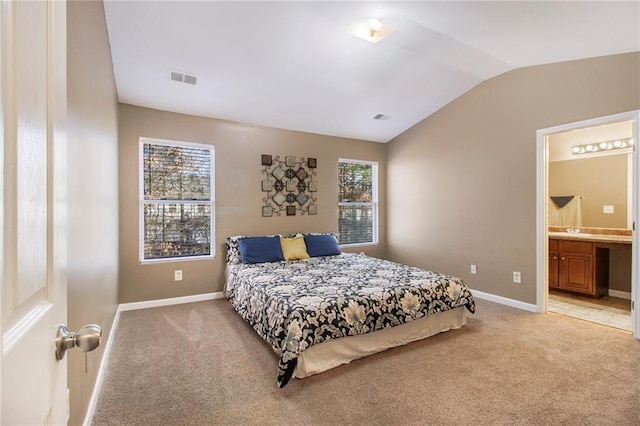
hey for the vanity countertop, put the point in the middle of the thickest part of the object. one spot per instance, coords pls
(601, 238)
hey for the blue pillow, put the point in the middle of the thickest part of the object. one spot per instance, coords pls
(321, 245)
(260, 249)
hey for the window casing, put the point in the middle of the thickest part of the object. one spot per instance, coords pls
(176, 200)
(357, 202)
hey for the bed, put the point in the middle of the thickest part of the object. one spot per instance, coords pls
(322, 311)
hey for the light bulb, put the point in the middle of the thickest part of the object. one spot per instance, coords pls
(576, 149)
(590, 148)
(630, 141)
(618, 144)
(603, 145)
(375, 24)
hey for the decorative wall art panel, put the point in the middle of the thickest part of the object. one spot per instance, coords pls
(289, 186)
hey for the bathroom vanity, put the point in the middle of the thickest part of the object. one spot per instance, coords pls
(579, 262)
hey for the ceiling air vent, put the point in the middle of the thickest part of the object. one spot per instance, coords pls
(380, 117)
(190, 79)
(183, 78)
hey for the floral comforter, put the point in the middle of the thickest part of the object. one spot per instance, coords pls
(293, 305)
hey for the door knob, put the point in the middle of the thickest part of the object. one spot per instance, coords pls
(86, 339)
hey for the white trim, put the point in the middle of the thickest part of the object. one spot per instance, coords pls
(630, 172)
(170, 142)
(176, 259)
(131, 307)
(620, 294)
(541, 210)
(88, 417)
(350, 160)
(504, 301)
(355, 204)
(170, 301)
(357, 245)
(635, 246)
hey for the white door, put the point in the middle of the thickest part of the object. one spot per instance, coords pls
(33, 210)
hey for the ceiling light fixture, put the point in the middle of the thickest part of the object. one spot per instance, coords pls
(602, 146)
(373, 31)
(375, 25)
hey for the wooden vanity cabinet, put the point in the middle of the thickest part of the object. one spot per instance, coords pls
(578, 267)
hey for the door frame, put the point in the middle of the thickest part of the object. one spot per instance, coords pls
(542, 192)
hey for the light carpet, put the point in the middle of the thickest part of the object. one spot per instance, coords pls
(201, 364)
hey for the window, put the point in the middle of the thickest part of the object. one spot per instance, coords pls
(357, 202)
(176, 200)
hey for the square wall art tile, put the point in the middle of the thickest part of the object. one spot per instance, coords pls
(289, 184)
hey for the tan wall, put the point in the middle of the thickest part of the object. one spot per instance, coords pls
(93, 191)
(238, 193)
(462, 183)
(600, 181)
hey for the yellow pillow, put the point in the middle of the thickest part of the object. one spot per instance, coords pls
(294, 248)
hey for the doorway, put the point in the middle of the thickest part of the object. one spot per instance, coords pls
(577, 245)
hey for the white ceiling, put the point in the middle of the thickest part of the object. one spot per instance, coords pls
(295, 65)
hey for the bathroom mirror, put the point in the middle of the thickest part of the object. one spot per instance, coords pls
(601, 175)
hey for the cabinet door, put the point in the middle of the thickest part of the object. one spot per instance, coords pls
(576, 273)
(553, 269)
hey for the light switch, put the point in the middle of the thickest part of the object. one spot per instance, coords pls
(607, 209)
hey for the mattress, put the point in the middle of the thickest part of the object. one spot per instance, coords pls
(297, 305)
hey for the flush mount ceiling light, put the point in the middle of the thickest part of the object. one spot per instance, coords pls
(602, 146)
(373, 31)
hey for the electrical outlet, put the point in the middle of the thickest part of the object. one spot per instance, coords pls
(607, 209)
(474, 269)
(517, 278)
(177, 275)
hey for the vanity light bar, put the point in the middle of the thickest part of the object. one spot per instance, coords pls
(602, 146)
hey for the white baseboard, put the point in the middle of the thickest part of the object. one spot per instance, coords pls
(171, 301)
(620, 294)
(88, 418)
(504, 301)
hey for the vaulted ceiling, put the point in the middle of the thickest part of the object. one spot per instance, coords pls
(298, 66)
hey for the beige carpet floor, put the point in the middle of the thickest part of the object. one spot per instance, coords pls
(201, 364)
